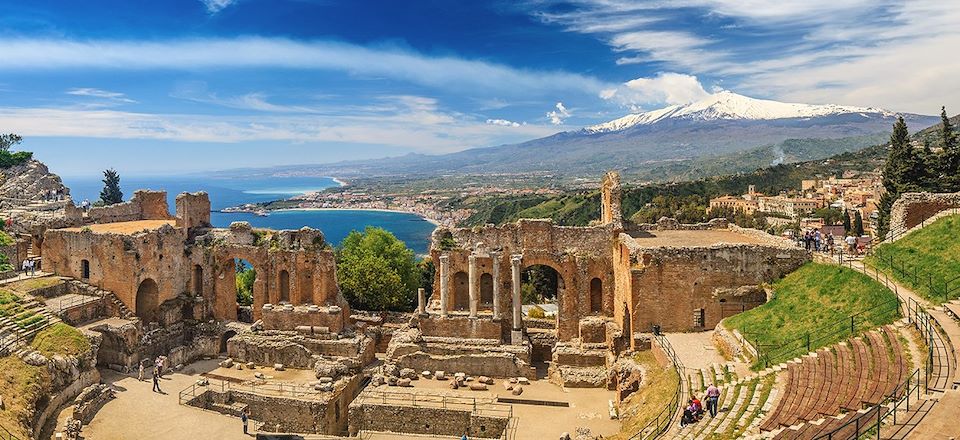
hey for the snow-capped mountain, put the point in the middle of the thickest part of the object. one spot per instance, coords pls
(727, 105)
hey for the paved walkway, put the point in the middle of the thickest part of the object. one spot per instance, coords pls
(941, 422)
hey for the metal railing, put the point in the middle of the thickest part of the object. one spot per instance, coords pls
(661, 423)
(850, 326)
(872, 421)
(77, 301)
(935, 285)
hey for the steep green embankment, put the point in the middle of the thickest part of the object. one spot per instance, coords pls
(817, 299)
(929, 254)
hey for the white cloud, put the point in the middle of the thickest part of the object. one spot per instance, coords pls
(406, 122)
(103, 94)
(504, 123)
(214, 6)
(665, 87)
(559, 115)
(255, 52)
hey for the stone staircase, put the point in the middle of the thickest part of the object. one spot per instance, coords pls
(118, 305)
(22, 319)
(742, 404)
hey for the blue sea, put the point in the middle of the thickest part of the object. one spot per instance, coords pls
(335, 224)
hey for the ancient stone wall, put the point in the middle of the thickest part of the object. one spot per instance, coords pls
(459, 326)
(289, 317)
(193, 210)
(677, 288)
(912, 208)
(145, 205)
(397, 417)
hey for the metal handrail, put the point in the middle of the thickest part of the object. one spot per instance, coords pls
(890, 236)
(661, 423)
(804, 344)
(920, 276)
(6, 434)
(77, 301)
(891, 403)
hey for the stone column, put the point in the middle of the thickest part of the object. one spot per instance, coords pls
(444, 284)
(421, 301)
(496, 284)
(472, 275)
(517, 334)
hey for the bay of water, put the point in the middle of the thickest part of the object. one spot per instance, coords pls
(335, 224)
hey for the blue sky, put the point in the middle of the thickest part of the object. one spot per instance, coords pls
(188, 85)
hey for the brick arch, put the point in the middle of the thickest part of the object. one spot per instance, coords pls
(147, 302)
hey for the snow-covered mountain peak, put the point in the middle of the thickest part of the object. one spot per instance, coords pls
(726, 105)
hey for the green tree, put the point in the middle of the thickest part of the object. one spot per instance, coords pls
(857, 223)
(111, 194)
(903, 171)
(949, 158)
(846, 221)
(9, 140)
(246, 275)
(427, 271)
(376, 271)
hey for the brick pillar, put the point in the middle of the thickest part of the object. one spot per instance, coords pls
(444, 284)
(472, 274)
(496, 284)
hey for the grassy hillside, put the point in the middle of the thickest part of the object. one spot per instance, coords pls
(818, 300)
(932, 253)
(643, 406)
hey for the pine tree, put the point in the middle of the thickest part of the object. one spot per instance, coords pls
(857, 223)
(846, 221)
(949, 166)
(111, 194)
(903, 172)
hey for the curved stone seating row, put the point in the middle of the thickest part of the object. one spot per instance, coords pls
(741, 404)
(845, 377)
(844, 426)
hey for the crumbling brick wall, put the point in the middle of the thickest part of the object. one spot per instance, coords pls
(912, 208)
(145, 205)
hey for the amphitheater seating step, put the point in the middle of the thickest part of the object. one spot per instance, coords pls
(847, 376)
(741, 405)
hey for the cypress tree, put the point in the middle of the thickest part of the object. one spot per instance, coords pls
(111, 194)
(949, 166)
(858, 223)
(846, 221)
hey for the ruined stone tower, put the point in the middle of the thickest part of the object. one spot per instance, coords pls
(610, 195)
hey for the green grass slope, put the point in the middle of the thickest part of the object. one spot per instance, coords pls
(931, 254)
(817, 299)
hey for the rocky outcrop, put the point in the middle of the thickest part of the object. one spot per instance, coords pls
(31, 181)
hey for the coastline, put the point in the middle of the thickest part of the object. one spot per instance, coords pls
(337, 180)
(428, 219)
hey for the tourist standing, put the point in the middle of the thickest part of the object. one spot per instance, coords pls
(25, 265)
(140, 372)
(713, 399)
(245, 419)
(156, 381)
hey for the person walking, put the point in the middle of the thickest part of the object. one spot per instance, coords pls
(156, 382)
(140, 372)
(25, 265)
(713, 399)
(245, 419)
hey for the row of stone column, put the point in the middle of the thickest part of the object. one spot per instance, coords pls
(515, 268)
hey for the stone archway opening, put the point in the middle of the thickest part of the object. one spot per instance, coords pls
(284, 286)
(85, 269)
(224, 338)
(486, 290)
(540, 284)
(148, 300)
(596, 295)
(246, 277)
(461, 291)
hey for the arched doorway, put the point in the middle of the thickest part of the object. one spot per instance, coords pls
(148, 300)
(197, 280)
(461, 291)
(486, 289)
(85, 269)
(284, 286)
(540, 284)
(246, 277)
(596, 295)
(223, 340)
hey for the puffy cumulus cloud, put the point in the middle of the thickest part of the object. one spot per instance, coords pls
(664, 88)
(559, 115)
(504, 123)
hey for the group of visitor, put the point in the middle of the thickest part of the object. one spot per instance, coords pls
(29, 267)
(814, 240)
(157, 372)
(694, 411)
(85, 205)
